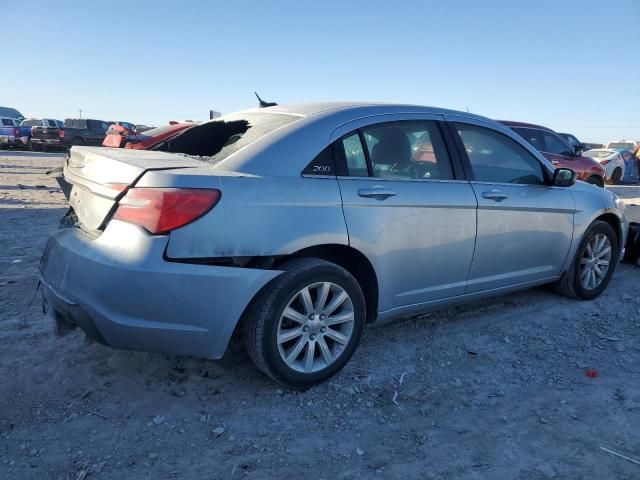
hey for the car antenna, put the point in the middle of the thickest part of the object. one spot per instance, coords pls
(264, 104)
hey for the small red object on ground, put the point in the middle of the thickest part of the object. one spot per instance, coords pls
(591, 373)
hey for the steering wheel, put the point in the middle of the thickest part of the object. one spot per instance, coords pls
(416, 170)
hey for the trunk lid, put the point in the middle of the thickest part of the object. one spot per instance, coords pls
(100, 176)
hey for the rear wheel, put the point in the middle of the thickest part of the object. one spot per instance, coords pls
(596, 180)
(616, 176)
(593, 265)
(304, 326)
(77, 141)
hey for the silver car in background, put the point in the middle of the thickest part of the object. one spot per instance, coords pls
(299, 225)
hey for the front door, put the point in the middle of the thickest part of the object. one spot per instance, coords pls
(525, 226)
(407, 211)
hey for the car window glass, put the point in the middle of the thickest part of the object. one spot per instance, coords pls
(408, 149)
(354, 155)
(495, 157)
(554, 145)
(532, 136)
(7, 122)
(52, 123)
(75, 123)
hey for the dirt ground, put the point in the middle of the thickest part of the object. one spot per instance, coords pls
(493, 390)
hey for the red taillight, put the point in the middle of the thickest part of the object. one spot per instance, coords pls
(16, 132)
(604, 162)
(61, 133)
(160, 210)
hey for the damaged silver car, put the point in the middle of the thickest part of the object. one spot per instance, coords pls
(296, 226)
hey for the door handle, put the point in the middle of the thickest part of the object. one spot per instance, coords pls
(379, 193)
(496, 195)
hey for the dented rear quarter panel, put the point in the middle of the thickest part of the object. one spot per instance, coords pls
(259, 216)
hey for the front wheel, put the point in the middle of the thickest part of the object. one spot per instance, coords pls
(593, 264)
(596, 180)
(305, 325)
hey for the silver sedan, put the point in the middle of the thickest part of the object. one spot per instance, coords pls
(297, 226)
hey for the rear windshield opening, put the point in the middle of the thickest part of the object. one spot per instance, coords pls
(218, 139)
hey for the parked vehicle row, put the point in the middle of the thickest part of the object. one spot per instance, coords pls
(9, 132)
(74, 131)
(297, 226)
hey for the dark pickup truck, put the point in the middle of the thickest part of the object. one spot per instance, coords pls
(81, 131)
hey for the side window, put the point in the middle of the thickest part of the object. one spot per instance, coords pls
(495, 157)
(532, 136)
(354, 156)
(554, 145)
(408, 149)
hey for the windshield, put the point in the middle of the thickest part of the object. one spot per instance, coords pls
(75, 123)
(624, 145)
(217, 139)
(598, 153)
(31, 123)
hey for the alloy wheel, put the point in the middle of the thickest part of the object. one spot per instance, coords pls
(315, 327)
(595, 261)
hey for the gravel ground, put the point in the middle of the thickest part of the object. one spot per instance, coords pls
(492, 390)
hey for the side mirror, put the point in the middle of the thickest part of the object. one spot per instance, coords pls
(563, 177)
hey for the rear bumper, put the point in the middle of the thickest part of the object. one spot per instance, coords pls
(118, 289)
(10, 141)
(50, 142)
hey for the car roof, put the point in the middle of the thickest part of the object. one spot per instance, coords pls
(370, 108)
(511, 124)
(319, 123)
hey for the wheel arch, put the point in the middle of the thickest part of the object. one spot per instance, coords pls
(615, 223)
(600, 179)
(352, 260)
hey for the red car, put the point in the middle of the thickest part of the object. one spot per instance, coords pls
(559, 152)
(119, 136)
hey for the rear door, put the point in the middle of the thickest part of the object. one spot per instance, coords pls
(407, 207)
(525, 226)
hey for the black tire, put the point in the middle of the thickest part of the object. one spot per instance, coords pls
(36, 147)
(616, 177)
(569, 285)
(596, 180)
(263, 315)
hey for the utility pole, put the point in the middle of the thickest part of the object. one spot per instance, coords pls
(80, 110)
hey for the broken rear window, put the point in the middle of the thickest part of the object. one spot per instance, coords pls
(217, 139)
